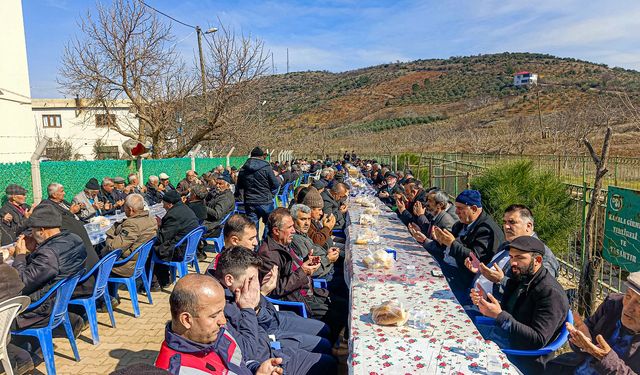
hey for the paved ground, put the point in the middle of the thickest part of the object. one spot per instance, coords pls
(134, 340)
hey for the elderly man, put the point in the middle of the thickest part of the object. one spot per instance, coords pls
(47, 256)
(70, 220)
(164, 181)
(237, 271)
(134, 186)
(606, 342)
(130, 234)
(155, 191)
(422, 228)
(257, 185)
(476, 233)
(517, 221)
(533, 309)
(220, 204)
(184, 186)
(327, 176)
(197, 340)
(107, 197)
(14, 214)
(304, 246)
(414, 193)
(321, 224)
(334, 203)
(390, 191)
(118, 192)
(294, 274)
(90, 205)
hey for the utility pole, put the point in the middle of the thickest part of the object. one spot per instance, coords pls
(199, 32)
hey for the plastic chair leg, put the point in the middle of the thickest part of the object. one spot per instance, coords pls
(46, 344)
(107, 302)
(133, 293)
(147, 288)
(173, 274)
(196, 266)
(90, 308)
(71, 337)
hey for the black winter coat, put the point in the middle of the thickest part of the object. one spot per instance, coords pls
(59, 257)
(218, 207)
(153, 195)
(176, 223)
(71, 223)
(537, 318)
(17, 225)
(257, 182)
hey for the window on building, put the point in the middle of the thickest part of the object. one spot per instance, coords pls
(51, 121)
(105, 120)
(107, 152)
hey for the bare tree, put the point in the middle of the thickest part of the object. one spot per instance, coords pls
(126, 52)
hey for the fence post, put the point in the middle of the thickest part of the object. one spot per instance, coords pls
(430, 171)
(36, 180)
(139, 171)
(231, 152)
(468, 180)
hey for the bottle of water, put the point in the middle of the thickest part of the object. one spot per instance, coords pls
(494, 366)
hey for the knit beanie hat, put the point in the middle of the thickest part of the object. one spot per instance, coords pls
(313, 198)
(470, 198)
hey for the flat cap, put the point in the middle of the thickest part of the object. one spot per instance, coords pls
(171, 196)
(529, 244)
(15, 189)
(45, 216)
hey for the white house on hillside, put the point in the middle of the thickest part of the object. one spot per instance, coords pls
(525, 79)
(82, 125)
(17, 131)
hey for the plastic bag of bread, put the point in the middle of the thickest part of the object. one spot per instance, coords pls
(390, 313)
(366, 237)
(378, 259)
(366, 219)
(100, 220)
(372, 211)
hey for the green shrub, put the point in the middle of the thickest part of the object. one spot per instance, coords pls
(518, 183)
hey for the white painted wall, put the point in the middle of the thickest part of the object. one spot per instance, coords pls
(17, 130)
(79, 124)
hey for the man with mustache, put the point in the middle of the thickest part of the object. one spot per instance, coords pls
(533, 308)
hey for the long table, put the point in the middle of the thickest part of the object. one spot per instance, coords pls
(442, 340)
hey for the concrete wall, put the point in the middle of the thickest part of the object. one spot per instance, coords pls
(17, 129)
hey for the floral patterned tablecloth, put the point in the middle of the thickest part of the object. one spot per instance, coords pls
(439, 337)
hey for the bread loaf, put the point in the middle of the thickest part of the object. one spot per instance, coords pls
(389, 314)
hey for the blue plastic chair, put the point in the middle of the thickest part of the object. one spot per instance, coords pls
(219, 241)
(181, 268)
(139, 271)
(102, 269)
(240, 208)
(552, 347)
(320, 283)
(59, 315)
(297, 307)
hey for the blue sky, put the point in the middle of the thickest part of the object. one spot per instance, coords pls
(339, 35)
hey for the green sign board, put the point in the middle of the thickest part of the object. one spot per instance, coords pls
(622, 227)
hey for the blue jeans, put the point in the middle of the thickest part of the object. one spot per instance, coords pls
(297, 332)
(258, 212)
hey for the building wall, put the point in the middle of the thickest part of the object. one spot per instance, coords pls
(17, 130)
(79, 125)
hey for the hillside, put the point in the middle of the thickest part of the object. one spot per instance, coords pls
(464, 104)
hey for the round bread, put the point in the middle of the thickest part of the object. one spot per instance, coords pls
(389, 314)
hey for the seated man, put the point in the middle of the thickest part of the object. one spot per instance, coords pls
(607, 342)
(517, 221)
(14, 214)
(415, 194)
(422, 228)
(533, 308)
(389, 190)
(220, 204)
(294, 274)
(130, 234)
(90, 205)
(197, 339)
(321, 224)
(237, 271)
(475, 232)
(184, 186)
(55, 255)
(133, 186)
(176, 223)
(155, 191)
(304, 246)
(334, 203)
(165, 182)
(119, 193)
(107, 197)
